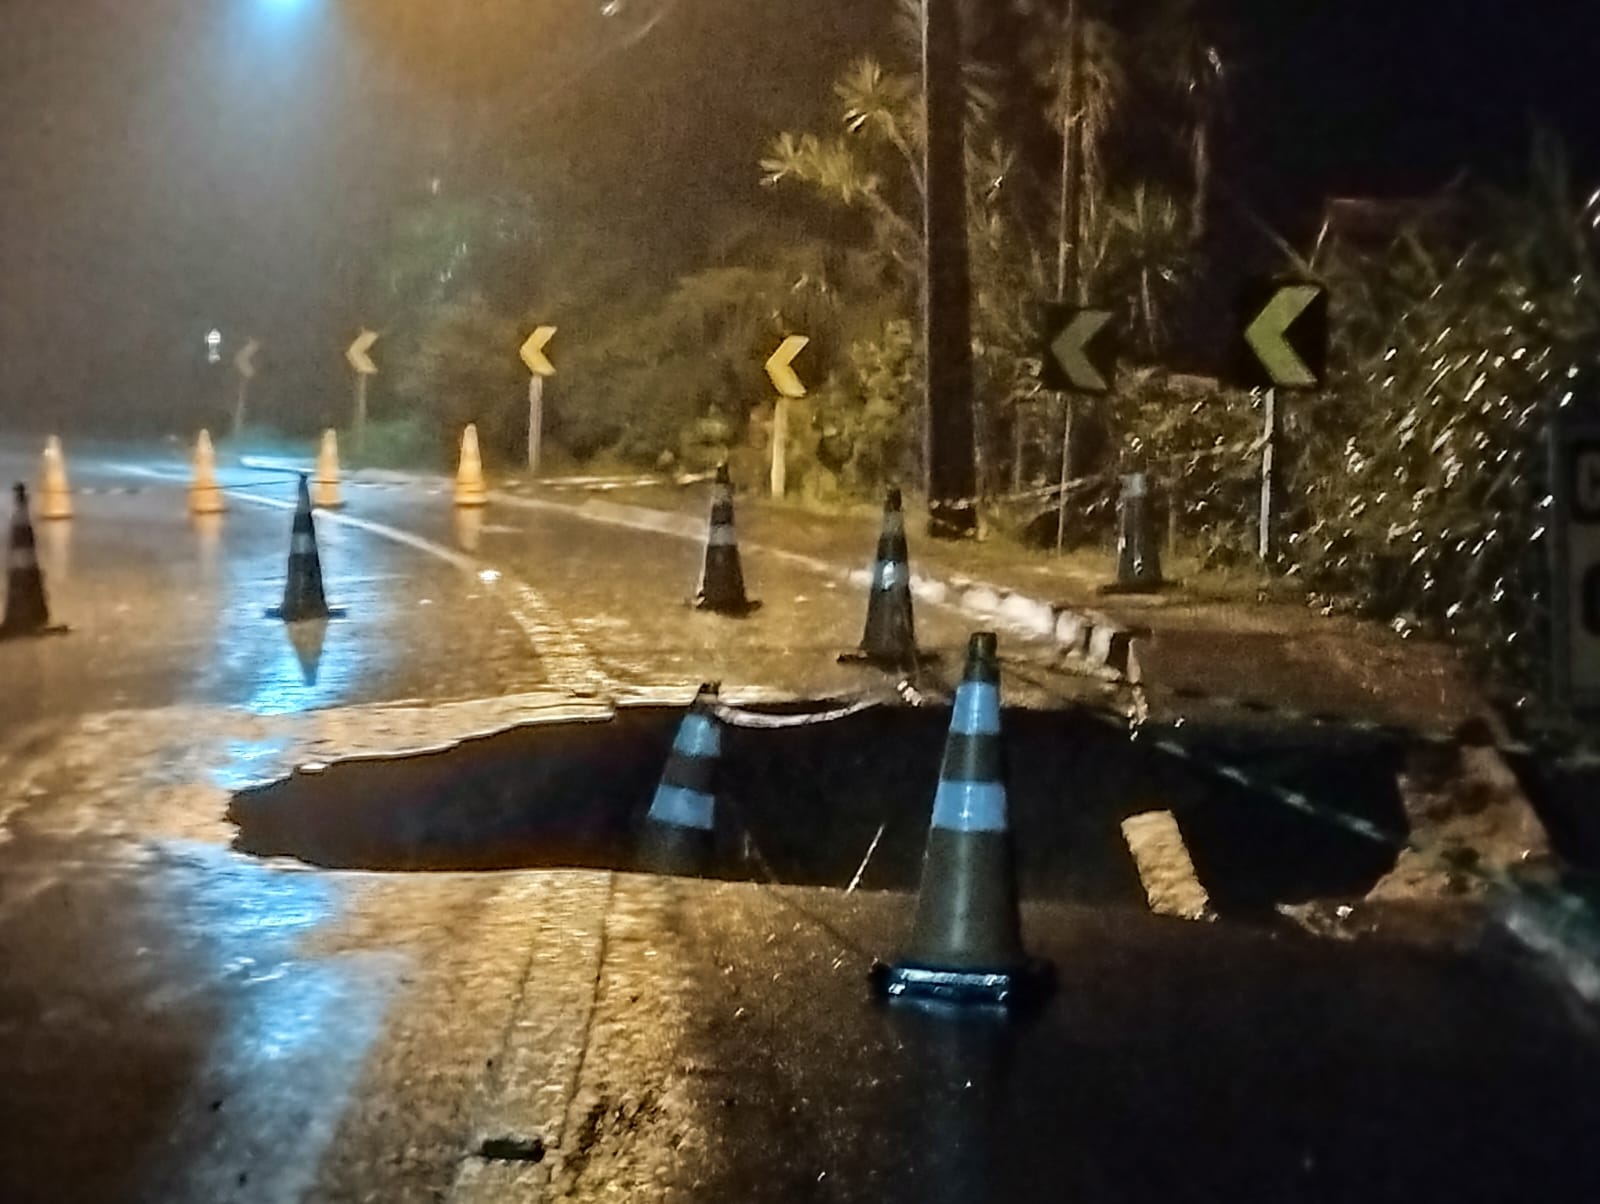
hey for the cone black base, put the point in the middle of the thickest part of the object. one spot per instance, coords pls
(327, 612)
(732, 610)
(859, 656)
(25, 633)
(1016, 986)
(1152, 587)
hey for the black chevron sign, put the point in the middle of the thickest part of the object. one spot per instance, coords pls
(1283, 341)
(1078, 354)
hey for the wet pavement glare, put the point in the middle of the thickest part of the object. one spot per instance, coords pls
(180, 1021)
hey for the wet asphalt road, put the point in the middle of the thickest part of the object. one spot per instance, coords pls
(167, 608)
(179, 1022)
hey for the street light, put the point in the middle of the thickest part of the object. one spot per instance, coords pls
(214, 346)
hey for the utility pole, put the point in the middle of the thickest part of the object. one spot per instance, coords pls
(947, 296)
(1069, 274)
(535, 422)
(1267, 542)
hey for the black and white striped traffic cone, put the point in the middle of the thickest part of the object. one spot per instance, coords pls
(303, 596)
(890, 637)
(679, 830)
(722, 580)
(966, 941)
(1138, 553)
(27, 612)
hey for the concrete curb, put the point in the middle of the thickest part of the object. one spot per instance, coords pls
(1085, 637)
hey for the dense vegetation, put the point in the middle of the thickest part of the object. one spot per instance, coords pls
(1414, 480)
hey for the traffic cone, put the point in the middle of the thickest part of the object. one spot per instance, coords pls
(55, 496)
(678, 831)
(27, 612)
(205, 495)
(325, 486)
(1138, 555)
(722, 580)
(303, 597)
(470, 487)
(890, 638)
(966, 941)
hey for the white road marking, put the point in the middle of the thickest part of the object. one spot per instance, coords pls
(1165, 868)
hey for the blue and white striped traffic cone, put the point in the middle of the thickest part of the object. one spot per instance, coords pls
(890, 637)
(303, 596)
(679, 829)
(722, 580)
(966, 941)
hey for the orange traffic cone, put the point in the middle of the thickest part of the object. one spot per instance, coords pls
(722, 579)
(27, 612)
(205, 495)
(55, 496)
(325, 486)
(677, 836)
(470, 487)
(303, 596)
(966, 941)
(890, 637)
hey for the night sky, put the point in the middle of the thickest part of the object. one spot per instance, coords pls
(177, 163)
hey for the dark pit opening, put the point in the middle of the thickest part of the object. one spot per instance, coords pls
(803, 804)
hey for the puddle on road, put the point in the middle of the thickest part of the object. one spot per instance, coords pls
(802, 805)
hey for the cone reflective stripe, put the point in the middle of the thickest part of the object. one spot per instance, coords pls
(678, 829)
(686, 797)
(966, 939)
(890, 637)
(471, 490)
(55, 496)
(722, 579)
(27, 612)
(205, 495)
(325, 489)
(972, 793)
(303, 596)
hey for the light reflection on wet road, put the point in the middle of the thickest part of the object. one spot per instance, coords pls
(249, 996)
(167, 609)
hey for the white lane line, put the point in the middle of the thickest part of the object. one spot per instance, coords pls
(568, 661)
(1165, 867)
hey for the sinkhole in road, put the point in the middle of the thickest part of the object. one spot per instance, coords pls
(803, 805)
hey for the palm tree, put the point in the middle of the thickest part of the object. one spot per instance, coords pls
(1181, 54)
(1080, 62)
(1151, 244)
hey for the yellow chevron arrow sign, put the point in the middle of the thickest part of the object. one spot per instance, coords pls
(1268, 336)
(533, 351)
(780, 367)
(357, 355)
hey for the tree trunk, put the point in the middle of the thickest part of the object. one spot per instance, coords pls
(1148, 305)
(947, 306)
(1201, 155)
(1069, 257)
